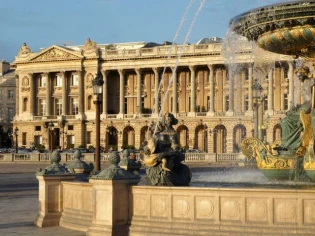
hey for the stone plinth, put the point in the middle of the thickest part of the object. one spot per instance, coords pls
(50, 199)
(110, 207)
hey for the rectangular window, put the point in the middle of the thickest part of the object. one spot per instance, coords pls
(246, 75)
(23, 138)
(38, 128)
(286, 72)
(208, 103)
(265, 103)
(88, 137)
(42, 108)
(10, 94)
(58, 106)
(126, 106)
(70, 127)
(246, 104)
(0, 94)
(75, 106)
(75, 80)
(10, 114)
(227, 102)
(43, 81)
(285, 102)
(59, 81)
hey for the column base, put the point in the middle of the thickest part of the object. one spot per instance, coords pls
(47, 220)
(249, 113)
(191, 114)
(120, 116)
(229, 113)
(210, 113)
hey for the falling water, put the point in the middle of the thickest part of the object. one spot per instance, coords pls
(178, 58)
(170, 53)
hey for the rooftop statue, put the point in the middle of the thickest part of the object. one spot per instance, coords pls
(163, 156)
(24, 50)
(90, 46)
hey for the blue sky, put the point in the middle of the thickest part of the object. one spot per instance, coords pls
(41, 23)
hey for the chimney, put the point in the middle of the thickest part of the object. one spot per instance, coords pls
(4, 67)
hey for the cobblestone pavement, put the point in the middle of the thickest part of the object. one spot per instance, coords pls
(19, 200)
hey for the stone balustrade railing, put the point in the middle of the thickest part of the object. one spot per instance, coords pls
(89, 157)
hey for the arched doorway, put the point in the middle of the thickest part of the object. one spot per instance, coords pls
(277, 132)
(201, 138)
(219, 139)
(183, 136)
(128, 137)
(145, 134)
(112, 138)
(239, 134)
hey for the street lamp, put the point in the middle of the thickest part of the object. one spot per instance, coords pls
(97, 90)
(51, 129)
(256, 96)
(16, 134)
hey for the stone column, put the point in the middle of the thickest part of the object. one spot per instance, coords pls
(270, 92)
(105, 95)
(156, 93)
(139, 90)
(121, 93)
(250, 110)
(230, 112)
(193, 90)
(291, 84)
(64, 94)
(32, 98)
(81, 94)
(48, 94)
(174, 75)
(17, 91)
(211, 82)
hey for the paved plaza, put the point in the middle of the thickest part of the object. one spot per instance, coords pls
(19, 202)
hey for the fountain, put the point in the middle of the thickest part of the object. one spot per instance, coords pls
(289, 29)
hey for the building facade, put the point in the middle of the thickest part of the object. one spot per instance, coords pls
(214, 104)
(7, 95)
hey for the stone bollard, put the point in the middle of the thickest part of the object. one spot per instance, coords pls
(50, 191)
(111, 199)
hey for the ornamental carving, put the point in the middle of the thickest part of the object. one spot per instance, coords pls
(25, 81)
(90, 46)
(89, 79)
(54, 54)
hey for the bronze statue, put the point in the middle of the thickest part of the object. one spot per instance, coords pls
(163, 156)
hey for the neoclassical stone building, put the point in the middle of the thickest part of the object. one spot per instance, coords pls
(7, 95)
(215, 112)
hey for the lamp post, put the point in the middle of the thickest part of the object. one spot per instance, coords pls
(16, 134)
(97, 90)
(51, 127)
(256, 96)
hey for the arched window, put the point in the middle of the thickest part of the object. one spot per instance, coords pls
(90, 102)
(25, 101)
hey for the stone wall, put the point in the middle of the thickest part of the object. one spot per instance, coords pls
(199, 211)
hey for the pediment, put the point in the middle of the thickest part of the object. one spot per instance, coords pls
(56, 53)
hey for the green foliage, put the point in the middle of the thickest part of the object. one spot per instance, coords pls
(70, 146)
(90, 147)
(82, 146)
(146, 110)
(39, 146)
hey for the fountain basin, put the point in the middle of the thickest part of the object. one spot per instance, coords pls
(285, 28)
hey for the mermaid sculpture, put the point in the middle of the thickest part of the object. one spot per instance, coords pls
(163, 156)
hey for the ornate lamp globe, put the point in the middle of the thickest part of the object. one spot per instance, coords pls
(16, 131)
(51, 126)
(98, 84)
(257, 88)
